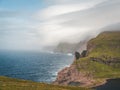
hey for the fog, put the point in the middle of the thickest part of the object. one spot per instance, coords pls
(59, 21)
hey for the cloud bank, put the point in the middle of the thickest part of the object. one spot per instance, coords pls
(59, 21)
(75, 20)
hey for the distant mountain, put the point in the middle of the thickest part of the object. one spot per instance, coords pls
(65, 47)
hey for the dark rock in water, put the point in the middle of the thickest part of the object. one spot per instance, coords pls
(112, 84)
(77, 55)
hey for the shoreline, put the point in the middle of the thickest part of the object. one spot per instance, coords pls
(88, 82)
(92, 83)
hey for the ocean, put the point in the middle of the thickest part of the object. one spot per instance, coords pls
(111, 84)
(35, 66)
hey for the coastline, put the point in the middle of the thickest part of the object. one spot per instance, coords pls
(70, 76)
(80, 80)
(97, 64)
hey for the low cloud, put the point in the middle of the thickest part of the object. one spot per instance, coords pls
(60, 21)
(73, 21)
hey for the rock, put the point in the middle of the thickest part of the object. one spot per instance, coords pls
(84, 53)
(71, 76)
(109, 61)
(77, 55)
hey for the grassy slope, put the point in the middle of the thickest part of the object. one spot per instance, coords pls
(106, 44)
(16, 84)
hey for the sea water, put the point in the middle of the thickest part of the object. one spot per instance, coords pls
(35, 66)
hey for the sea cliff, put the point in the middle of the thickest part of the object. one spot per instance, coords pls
(102, 62)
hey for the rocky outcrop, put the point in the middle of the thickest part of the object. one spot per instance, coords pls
(71, 76)
(77, 55)
(84, 53)
(109, 61)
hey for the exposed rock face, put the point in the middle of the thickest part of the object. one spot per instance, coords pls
(71, 76)
(109, 61)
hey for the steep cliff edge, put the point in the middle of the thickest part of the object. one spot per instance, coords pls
(71, 76)
(102, 62)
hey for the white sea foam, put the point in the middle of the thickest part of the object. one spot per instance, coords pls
(70, 54)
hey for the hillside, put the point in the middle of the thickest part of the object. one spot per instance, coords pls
(102, 62)
(16, 84)
(105, 42)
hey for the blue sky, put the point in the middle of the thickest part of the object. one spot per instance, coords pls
(29, 5)
(16, 22)
(35, 24)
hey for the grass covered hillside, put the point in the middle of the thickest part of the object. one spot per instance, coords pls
(106, 44)
(103, 58)
(16, 84)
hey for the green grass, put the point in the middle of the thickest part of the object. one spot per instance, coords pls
(96, 69)
(105, 46)
(16, 84)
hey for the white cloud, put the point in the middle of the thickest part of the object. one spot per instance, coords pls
(64, 8)
(56, 10)
(53, 2)
(72, 21)
(61, 21)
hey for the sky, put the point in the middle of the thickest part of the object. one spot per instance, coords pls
(34, 24)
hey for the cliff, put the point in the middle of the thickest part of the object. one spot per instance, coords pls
(65, 47)
(71, 76)
(101, 62)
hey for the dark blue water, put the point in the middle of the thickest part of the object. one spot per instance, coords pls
(35, 66)
(112, 84)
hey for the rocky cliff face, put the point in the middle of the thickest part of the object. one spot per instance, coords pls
(71, 76)
(101, 62)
